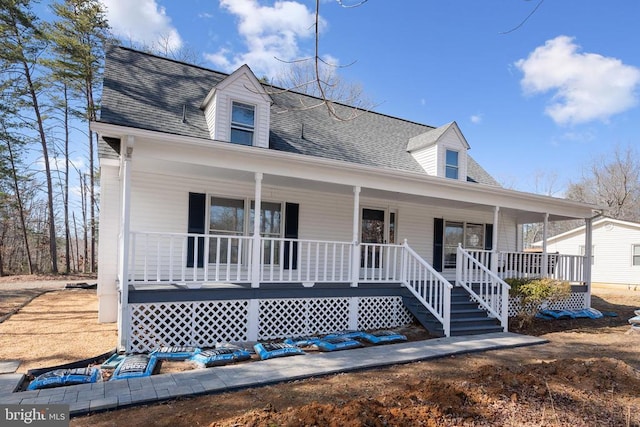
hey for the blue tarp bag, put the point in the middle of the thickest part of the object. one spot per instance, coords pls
(219, 357)
(585, 313)
(175, 352)
(64, 377)
(346, 334)
(135, 366)
(383, 337)
(305, 341)
(271, 350)
(337, 343)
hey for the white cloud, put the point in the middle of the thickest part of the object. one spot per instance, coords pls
(585, 86)
(269, 32)
(476, 119)
(143, 22)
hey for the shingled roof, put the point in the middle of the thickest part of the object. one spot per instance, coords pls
(149, 92)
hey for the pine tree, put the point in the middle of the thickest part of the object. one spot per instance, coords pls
(79, 36)
(22, 42)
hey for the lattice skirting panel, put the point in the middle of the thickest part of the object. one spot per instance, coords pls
(195, 323)
(382, 312)
(575, 301)
(205, 323)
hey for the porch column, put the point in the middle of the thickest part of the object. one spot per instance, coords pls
(253, 316)
(256, 262)
(494, 240)
(123, 260)
(588, 245)
(545, 258)
(355, 256)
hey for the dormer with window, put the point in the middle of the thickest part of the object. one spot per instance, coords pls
(238, 110)
(441, 152)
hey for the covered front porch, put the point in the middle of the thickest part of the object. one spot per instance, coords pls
(294, 283)
(325, 232)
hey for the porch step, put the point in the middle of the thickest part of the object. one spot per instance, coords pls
(466, 316)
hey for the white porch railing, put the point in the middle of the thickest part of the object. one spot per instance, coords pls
(186, 257)
(523, 265)
(489, 290)
(294, 260)
(380, 262)
(428, 286)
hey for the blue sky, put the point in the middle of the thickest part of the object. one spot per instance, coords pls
(543, 100)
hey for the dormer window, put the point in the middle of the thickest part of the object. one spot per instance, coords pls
(452, 165)
(242, 123)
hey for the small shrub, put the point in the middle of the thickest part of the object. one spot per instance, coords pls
(534, 293)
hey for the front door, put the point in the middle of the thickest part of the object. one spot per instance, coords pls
(378, 226)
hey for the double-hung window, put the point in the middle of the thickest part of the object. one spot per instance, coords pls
(242, 123)
(229, 220)
(451, 164)
(635, 256)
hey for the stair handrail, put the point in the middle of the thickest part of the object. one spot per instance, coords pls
(500, 311)
(435, 298)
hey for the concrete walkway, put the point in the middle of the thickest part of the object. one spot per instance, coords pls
(117, 394)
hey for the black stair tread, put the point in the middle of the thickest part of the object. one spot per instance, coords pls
(484, 319)
(466, 310)
(459, 328)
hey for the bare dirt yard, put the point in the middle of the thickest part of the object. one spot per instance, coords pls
(587, 375)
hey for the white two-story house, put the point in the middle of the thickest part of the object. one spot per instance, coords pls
(231, 210)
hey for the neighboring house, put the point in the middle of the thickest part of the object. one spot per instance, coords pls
(615, 251)
(365, 223)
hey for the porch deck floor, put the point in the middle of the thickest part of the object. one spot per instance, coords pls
(101, 396)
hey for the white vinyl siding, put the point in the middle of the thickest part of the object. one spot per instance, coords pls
(160, 203)
(218, 111)
(427, 158)
(613, 258)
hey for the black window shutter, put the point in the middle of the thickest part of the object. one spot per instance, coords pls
(197, 215)
(438, 235)
(488, 237)
(291, 232)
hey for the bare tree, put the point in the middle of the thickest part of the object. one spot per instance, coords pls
(612, 181)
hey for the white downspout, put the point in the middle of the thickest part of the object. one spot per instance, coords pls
(588, 244)
(123, 261)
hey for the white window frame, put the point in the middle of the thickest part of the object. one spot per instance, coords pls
(633, 255)
(465, 238)
(455, 167)
(247, 222)
(241, 126)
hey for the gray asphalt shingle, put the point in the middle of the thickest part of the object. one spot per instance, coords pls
(153, 93)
